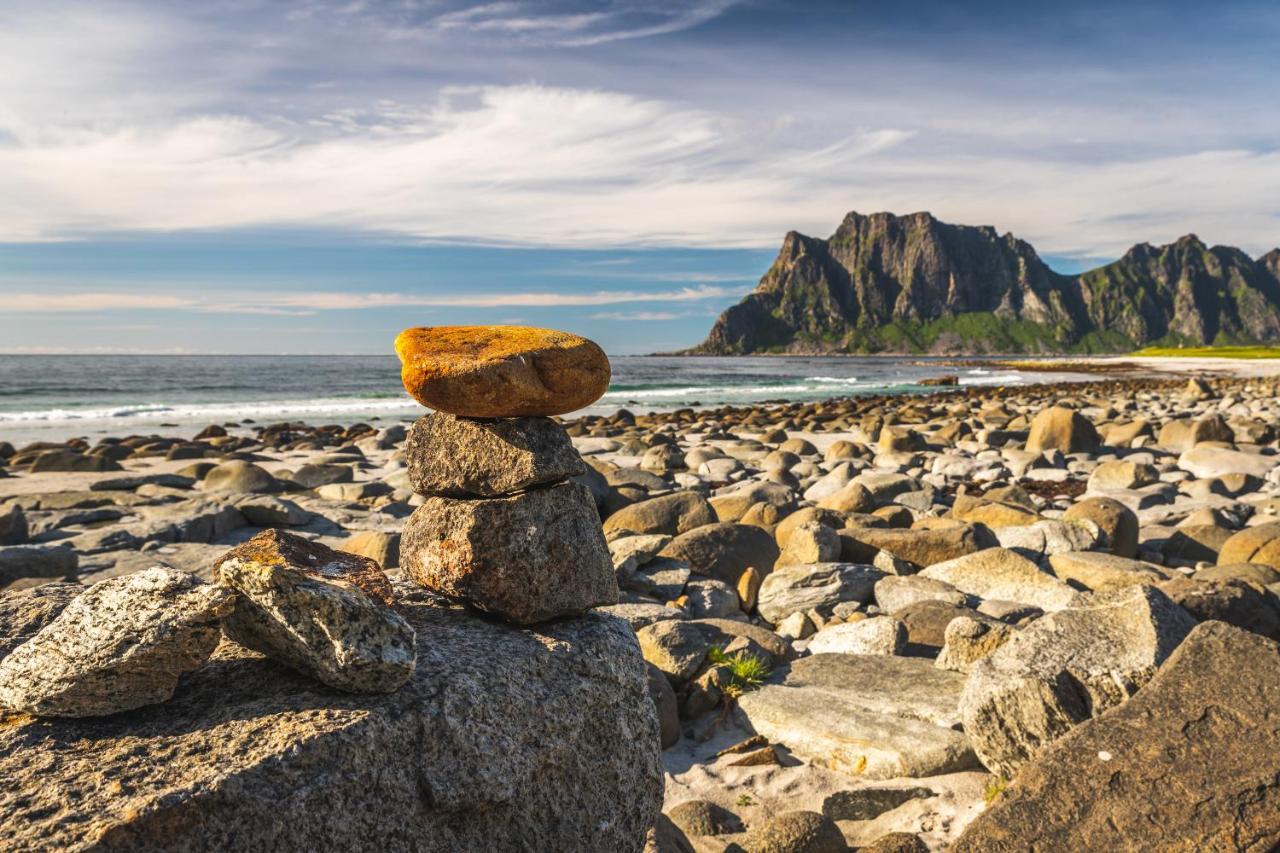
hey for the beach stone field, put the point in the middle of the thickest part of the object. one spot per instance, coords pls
(1041, 618)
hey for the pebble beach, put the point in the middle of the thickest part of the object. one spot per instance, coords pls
(884, 622)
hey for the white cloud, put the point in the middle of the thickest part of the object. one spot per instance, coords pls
(643, 316)
(209, 300)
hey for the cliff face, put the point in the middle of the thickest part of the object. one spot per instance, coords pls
(914, 284)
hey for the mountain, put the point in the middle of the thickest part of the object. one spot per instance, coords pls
(886, 283)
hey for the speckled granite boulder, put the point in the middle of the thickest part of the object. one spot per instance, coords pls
(504, 739)
(323, 612)
(465, 457)
(122, 644)
(24, 612)
(532, 556)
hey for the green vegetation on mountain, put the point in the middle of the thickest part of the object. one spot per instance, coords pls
(884, 283)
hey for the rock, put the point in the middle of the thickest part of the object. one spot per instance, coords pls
(812, 542)
(1095, 570)
(1251, 572)
(529, 557)
(712, 599)
(378, 545)
(34, 561)
(675, 647)
(463, 457)
(896, 842)
(662, 459)
(1060, 428)
(1259, 544)
(1122, 474)
(13, 526)
(69, 460)
(637, 614)
(1188, 763)
(313, 476)
(322, 612)
(969, 639)
(504, 739)
(927, 622)
(1041, 540)
(831, 518)
(748, 587)
(880, 635)
(723, 550)
(870, 716)
(1235, 602)
(793, 589)
(796, 626)
(239, 476)
(992, 513)
(870, 803)
(1208, 462)
(501, 371)
(852, 497)
(921, 547)
(895, 593)
(120, 645)
(671, 514)
(1065, 668)
(796, 832)
(700, 818)
(25, 612)
(1003, 574)
(268, 511)
(666, 705)
(1184, 435)
(1116, 520)
(665, 837)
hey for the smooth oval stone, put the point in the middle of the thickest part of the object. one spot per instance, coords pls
(501, 371)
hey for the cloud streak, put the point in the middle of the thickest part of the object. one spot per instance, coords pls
(307, 304)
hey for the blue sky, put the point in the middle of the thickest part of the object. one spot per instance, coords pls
(312, 176)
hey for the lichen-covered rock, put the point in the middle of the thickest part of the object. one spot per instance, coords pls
(505, 739)
(529, 557)
(501, 371)
(1189, 763)
(24, 612)
(466, 457)
(122, 644)
(1065, 668)
(323, 612)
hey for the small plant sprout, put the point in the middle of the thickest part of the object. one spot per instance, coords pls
(746, 671)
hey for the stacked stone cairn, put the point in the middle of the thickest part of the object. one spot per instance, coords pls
(504, 527)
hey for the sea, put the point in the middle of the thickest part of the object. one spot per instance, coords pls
(55, 397)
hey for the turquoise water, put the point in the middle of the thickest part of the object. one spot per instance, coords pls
(54, 397)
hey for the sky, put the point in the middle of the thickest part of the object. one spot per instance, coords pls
(311, 176)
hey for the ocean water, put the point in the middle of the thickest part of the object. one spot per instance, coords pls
(57, 397)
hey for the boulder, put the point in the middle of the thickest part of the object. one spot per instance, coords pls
(999, 573)
(813, 542)
(895, 593)
(529, 557)
(1121, 474)
(1209, 462)
(322, 612)
(1236, 602)
(465, 457)
(723, 550)
(1096, 570)
(24, 612)
(666, 706)
(1189, 763)
(701, 818)
(313, 476)
(269, 511)
(969, 639)
(1117, 521)
(1060, 428)
(22, 562)
(122, 644)
(1259, 544)
(927, 622)
(381, 546)
(1041, 540)
(504, 739)
(70, 460)
(792, 589)
(870, 802)
(674, 647)
(238, 476)
(880, 635)
(796, 832)
(870, 716)
(671, 514)
(13, 525)
(501, 371)
(1181, 435)
(921, 547)
(1065, 668)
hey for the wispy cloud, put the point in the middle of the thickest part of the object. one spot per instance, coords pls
(306, 304)
(642, 316)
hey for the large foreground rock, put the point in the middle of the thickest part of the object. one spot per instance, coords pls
(528, 557)
(873, 716)
(1189, 763)
(1065, 668)
(465, 457)
(122, 644)
(504, 739)
(323, 612)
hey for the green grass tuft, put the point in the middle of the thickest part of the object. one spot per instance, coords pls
(1211, 352)
(746, 671)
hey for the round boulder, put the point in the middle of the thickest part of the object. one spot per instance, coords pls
(1114, 518)
(796, 832)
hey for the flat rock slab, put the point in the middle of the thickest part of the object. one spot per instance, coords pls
(876, 717)
(504, 739)
(1189, 763)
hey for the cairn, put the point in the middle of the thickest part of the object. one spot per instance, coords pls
(504, 526)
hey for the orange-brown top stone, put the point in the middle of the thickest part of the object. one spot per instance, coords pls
(277, 549)
(501, 371)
